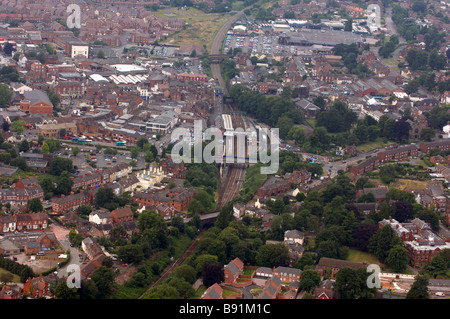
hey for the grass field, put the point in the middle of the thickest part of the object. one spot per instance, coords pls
(378, 143)
(253, 178)
(16, 278)
(200, 27)
(410, 184)
(360, 256)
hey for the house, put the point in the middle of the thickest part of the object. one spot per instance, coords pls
(36, 102)
(365, 166)
(101, 217)
(213, 292)
(294, 236)
(287, 274)
(273, 186)
(121, 215)
(380, 193)
(398, 153)
(91, 248)
(332, 266)
(88, 269)
(233, 270)
(71, 202)
(271, 289)
(418, 239)
(37, 287)
(442, 145)
(325, 290)
(10, 292)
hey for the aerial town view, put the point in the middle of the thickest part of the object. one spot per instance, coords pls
(242, 150)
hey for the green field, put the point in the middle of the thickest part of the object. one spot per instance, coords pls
(16, 278)
(360, 256)
(200, 27)
(378, 143)
(253, 178)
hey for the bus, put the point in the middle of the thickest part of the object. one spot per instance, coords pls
(121, 143)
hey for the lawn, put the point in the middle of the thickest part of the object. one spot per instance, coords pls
(253, 178)
(410, 184)
(360, 256)
(378, 143)
(200, 27)
(16, 278)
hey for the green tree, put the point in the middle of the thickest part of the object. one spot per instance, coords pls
(272, 255)
(5, 95)
(35, 205)
(162, 291)
(419, 289)
(61, 164)
(103, 278)
(309, 280)
(62, 291)
(45, 149)
(397, 258)
(18, 126)
(352, 284)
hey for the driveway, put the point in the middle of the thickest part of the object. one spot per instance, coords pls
(62, 234)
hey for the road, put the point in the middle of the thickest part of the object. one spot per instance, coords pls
(217, 44)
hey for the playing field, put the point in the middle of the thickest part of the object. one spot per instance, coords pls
(200, 27)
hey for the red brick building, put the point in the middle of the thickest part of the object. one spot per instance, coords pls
(398, 153)
(121, 215)
(177, 198)
(72, 202)
(233, 270)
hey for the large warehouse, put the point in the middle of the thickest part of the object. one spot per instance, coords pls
(306, 37)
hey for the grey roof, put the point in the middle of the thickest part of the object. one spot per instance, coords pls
(36, 96)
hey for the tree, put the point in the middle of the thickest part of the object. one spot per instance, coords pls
(352, 284)
(162, 291)
(436, 268)
(185, 272)
(403, 211)
(382, 241)
(362, 235)
(419, 289)
(428, 133)
(103, 278)
(104, 196)
(309, 280)
(397, 258)
(8, 48)
(45, 149)
(272, 255)
(64, 184)
(212, 273)
(62, 291)
(61, 164)
(23, 146)
(35, 205)
(75, 150)
(348, 25)
(5, 95)
(18, 126)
